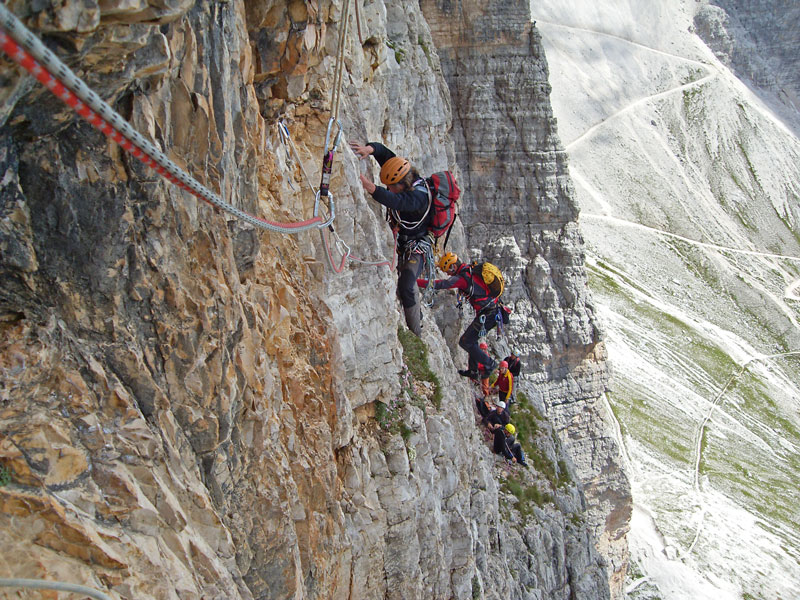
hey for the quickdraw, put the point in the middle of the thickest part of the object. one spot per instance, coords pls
(482, 320)
(327, 157)
(499, 318)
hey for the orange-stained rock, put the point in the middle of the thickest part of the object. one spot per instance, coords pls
(188, 402)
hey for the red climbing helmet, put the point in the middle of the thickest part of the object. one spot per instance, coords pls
(503, 364)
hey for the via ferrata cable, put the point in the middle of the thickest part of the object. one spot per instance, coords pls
(29, 52)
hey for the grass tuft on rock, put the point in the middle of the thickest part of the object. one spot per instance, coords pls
(415, 356)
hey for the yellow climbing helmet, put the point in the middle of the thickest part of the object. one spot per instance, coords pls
(394, 169)
(447, 261)
(511, 429)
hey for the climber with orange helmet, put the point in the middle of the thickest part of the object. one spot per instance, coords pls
(408, 210)
(463, 278)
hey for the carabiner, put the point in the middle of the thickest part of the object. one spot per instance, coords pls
(482, 321)
(336, 140)
(330, 220)
(284, 132)
(286, 139)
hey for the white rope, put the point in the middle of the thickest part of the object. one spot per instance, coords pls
(41, 584)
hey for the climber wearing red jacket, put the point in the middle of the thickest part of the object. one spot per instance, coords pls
(486, 307)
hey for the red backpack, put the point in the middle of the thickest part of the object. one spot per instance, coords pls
(444, 190)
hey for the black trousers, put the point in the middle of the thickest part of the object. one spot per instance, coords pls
(471, 337)
(500, 445)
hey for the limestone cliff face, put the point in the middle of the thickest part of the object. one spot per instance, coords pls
(520, 214)
(188, 404)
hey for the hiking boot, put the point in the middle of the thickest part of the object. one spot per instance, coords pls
(467, 373)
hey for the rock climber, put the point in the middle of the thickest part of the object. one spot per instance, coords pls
(504, 384)
(498, 418)
(514, 363)
(408, 210)
(505, 444)
(487, 310)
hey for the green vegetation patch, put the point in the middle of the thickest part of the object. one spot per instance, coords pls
(415, 356)
(528, 496)
(389, 416)
(527, 421)
(5, 476)
(399, 53)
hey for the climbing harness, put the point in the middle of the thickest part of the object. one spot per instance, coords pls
(395, 215)
(30, 53)
(424, 247)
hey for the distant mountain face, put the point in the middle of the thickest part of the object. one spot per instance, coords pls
(687, 177)
(759, 41)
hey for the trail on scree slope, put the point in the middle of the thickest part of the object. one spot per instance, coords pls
(790, 292)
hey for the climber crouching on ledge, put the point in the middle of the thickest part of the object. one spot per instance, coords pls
(408, 211)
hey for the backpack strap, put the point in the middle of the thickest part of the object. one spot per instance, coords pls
(485, 300)
(447, 236)
(411, 224)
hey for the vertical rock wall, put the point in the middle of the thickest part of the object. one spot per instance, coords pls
(519, 213)
(188, 404)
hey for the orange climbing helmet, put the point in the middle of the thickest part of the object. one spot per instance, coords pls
(447, 261)
(394, 169)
